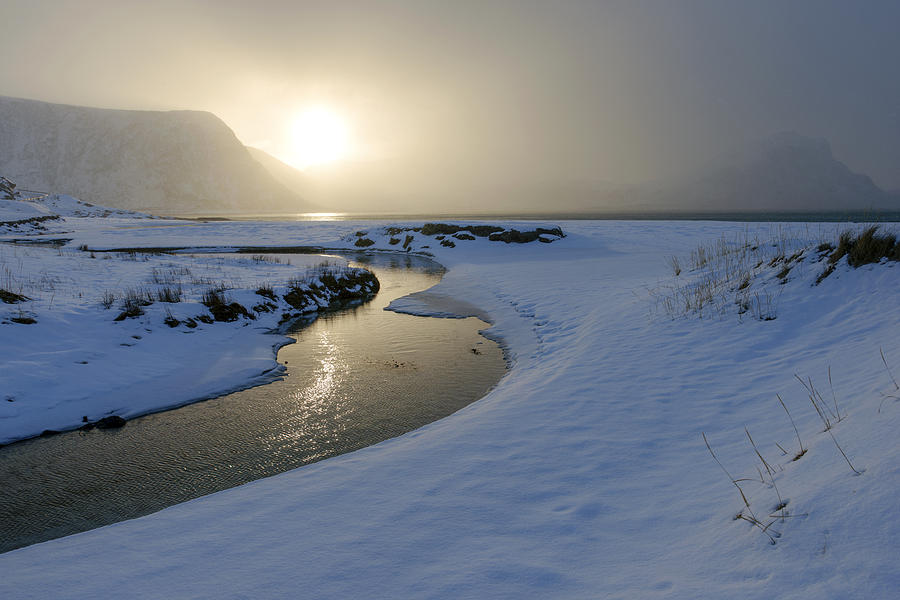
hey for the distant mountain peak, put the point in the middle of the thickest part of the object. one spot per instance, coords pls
(792, 139)
(785, 171)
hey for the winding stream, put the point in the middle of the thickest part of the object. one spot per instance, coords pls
(355, 377)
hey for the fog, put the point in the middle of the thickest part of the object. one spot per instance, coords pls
(466, 105)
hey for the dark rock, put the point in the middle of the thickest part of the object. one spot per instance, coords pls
(110, 422)
(49, 432)
(394, 241)
(448, 243)
(483, 230)
(23, 320)
(463, 236)
(363, 242)
(408, 241)
(523, 237)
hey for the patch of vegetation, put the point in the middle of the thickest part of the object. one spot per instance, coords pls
(329, 285)
(170, 294)
(723, 275)
(266, 258)
(868, 246)
(129, 313)
(169, 276)
(221, 309)
(266, 291)
(108, 299)
(783, 273)
(11, 297)
(133, 303)
(170, 320)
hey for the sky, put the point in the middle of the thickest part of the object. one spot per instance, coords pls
(459, 103)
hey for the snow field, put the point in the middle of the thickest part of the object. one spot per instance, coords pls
(583, 473)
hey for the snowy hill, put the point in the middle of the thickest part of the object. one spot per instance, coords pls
(784, 172)
(163, 162)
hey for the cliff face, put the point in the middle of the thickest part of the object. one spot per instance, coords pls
(164, 162)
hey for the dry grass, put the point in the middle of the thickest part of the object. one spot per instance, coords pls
(862, 248)
(724, 277)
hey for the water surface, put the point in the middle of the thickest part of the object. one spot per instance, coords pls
(355, 377)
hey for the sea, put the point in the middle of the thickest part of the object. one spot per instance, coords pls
(867, 216)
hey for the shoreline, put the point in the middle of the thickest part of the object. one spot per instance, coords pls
(276, 371)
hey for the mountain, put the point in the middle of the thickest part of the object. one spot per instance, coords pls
(291, 178)
(163, 162)
(784, 172)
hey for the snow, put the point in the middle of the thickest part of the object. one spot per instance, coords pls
(582, 474)
(171, 161)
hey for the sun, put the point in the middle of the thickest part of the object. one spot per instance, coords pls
(318, 136)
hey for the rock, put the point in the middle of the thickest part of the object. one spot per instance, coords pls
(110, 422)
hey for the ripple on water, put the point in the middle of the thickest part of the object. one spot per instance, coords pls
(355, 377)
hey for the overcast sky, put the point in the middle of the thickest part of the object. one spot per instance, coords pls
(467, 99)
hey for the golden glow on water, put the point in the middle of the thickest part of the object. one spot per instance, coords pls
(321, 216)
(320, 410)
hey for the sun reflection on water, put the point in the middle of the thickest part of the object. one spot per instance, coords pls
(321, 411)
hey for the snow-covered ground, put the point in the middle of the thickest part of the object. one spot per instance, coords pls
(583, 474)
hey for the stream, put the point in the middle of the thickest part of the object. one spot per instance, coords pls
(355, 377)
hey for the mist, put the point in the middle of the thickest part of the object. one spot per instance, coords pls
(470, 105)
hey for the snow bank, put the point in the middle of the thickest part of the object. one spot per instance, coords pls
(583, 473)
(71, 356)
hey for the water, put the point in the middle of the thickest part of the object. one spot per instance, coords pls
(355, 377)
(857, 216)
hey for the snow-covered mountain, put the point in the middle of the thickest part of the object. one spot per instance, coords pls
(783, 172)
(163, 162)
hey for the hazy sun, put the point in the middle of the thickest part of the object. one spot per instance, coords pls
(318, 136)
